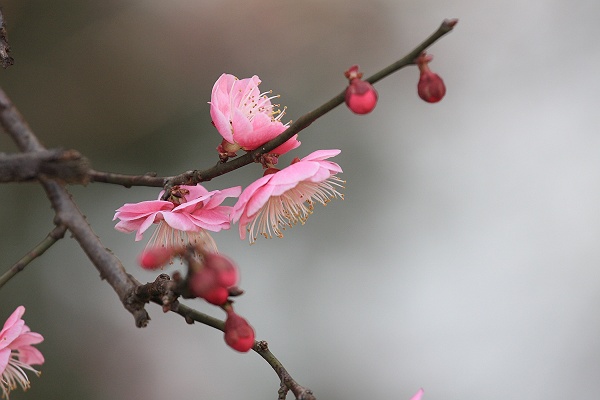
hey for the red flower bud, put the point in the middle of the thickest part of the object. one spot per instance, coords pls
(203, 282)
(361, 96)
(154, 257)
(227, 273)
(431, 87)
(239, 335)
(217, 296)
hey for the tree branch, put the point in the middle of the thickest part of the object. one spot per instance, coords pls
(148, 179)
(67, 165)
(57, 233)
(260, 347)
(193, 177)
(68, 214)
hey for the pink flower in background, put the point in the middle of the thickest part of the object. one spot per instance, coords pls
(17, 353)
(286, 197)
(418, 395)
(184, 218)
(245, 117)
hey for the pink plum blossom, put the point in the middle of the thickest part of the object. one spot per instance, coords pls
(245, 117)
(17, 353)
(286, 197)
(418, 395)
(184, 218)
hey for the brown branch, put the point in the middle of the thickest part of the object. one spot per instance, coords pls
(57, 233)
(164, 291)
(5, 58)
(68, 214)
(66, 165)
(194, 177)
(104, 260)
(148, 179)
(260, 347)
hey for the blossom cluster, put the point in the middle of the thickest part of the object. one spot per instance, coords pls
(246, 119)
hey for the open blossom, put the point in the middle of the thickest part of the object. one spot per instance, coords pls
(286, 197)
(245, 117)
(184, 218)
(17, 353)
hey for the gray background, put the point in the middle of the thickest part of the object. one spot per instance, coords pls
(464, 259)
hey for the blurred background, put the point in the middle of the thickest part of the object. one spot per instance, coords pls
(465, 258)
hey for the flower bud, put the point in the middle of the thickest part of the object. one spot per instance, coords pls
(225, 269)
(155, 257)
(203, 282)
(239, 335)
(217, 296)
(431, 87)
(361, 96)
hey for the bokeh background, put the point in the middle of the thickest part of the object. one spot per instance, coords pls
(465, 258)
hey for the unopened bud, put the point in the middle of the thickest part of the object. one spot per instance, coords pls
(361, 96)
(203, 282)
(239, 335)
(155, 257)
(217, 296)
(227, 273)
(431, 87)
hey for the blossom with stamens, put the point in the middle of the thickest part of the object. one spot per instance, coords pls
(282, 198)
(245, 117)
(184, 218)
(17, 353)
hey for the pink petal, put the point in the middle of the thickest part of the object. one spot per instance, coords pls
(211, 221)
(291, 144)
(4, 356)
(10, 333)
(258, 200)
(220, 195)
(195, 191)
(222, 124)
(241, 126)
(135, 210)
(30, 355)
(180, 221)
(321, 155)
(289, 177)
(240, 206)
(13, 318)
(147, 223)
(418, 395)
(27, 339)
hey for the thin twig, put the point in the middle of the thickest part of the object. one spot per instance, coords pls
(148, 179)
(56, 234)
(260, 347)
